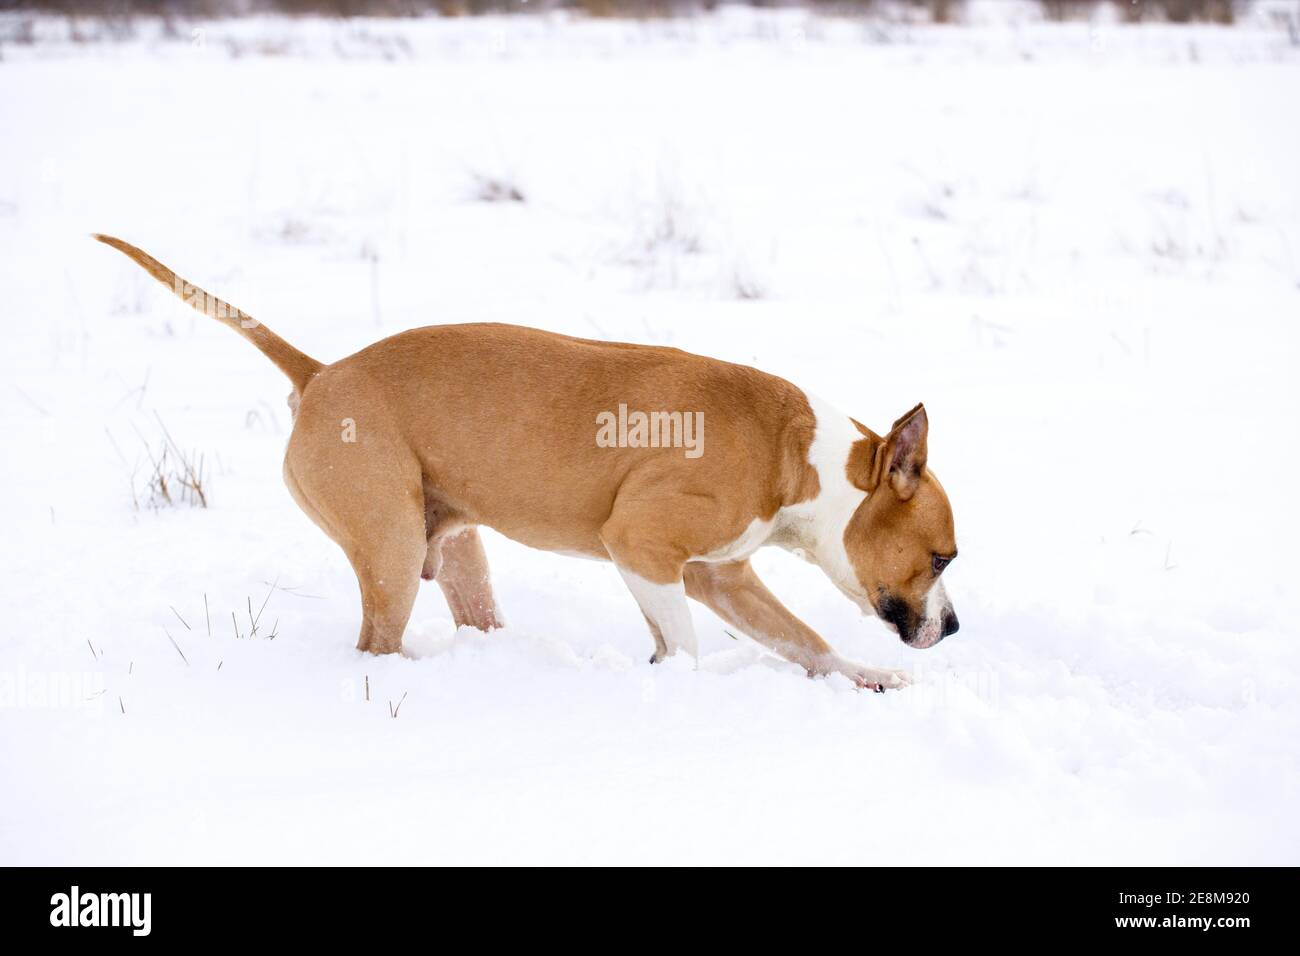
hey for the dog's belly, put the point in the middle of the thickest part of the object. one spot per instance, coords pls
(453, 503)
(572, 540)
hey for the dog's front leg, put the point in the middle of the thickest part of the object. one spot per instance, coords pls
(734, 592)
(666, 611)
(652, 571)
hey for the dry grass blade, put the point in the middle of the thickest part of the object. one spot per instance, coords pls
(190, 477)
(265, 601)
(496, 189)
(174, 478)
(177, 646)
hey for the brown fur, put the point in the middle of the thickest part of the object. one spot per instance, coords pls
(461, 425)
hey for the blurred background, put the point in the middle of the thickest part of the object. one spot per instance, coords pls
(937, 11)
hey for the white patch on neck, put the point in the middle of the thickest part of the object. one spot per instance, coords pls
(817, 526)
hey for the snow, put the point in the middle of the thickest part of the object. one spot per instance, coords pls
(1076, 243)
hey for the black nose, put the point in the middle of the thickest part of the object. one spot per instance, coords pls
(950, 624)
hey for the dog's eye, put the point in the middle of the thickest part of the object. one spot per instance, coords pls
(938, 562)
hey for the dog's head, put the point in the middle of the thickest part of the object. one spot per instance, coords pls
(900, 538)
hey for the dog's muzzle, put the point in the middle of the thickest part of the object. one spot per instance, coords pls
(912, 629)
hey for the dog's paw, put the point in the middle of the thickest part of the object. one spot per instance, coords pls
(878, 679)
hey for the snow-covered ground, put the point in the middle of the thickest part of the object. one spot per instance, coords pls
(1078, 244)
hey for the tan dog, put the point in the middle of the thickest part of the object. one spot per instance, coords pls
(400, 451)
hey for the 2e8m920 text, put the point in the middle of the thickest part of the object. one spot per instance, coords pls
(1190, 898)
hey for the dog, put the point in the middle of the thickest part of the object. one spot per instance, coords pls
(401, 451)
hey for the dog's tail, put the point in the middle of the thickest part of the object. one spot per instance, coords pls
(299, 367)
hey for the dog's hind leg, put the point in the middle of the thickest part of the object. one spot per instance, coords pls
(389, 578)
(465, 581)
(363, 488)
(385, 545)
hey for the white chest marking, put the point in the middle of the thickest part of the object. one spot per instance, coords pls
(817, 526)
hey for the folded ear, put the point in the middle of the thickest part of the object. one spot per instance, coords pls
(904, 456)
